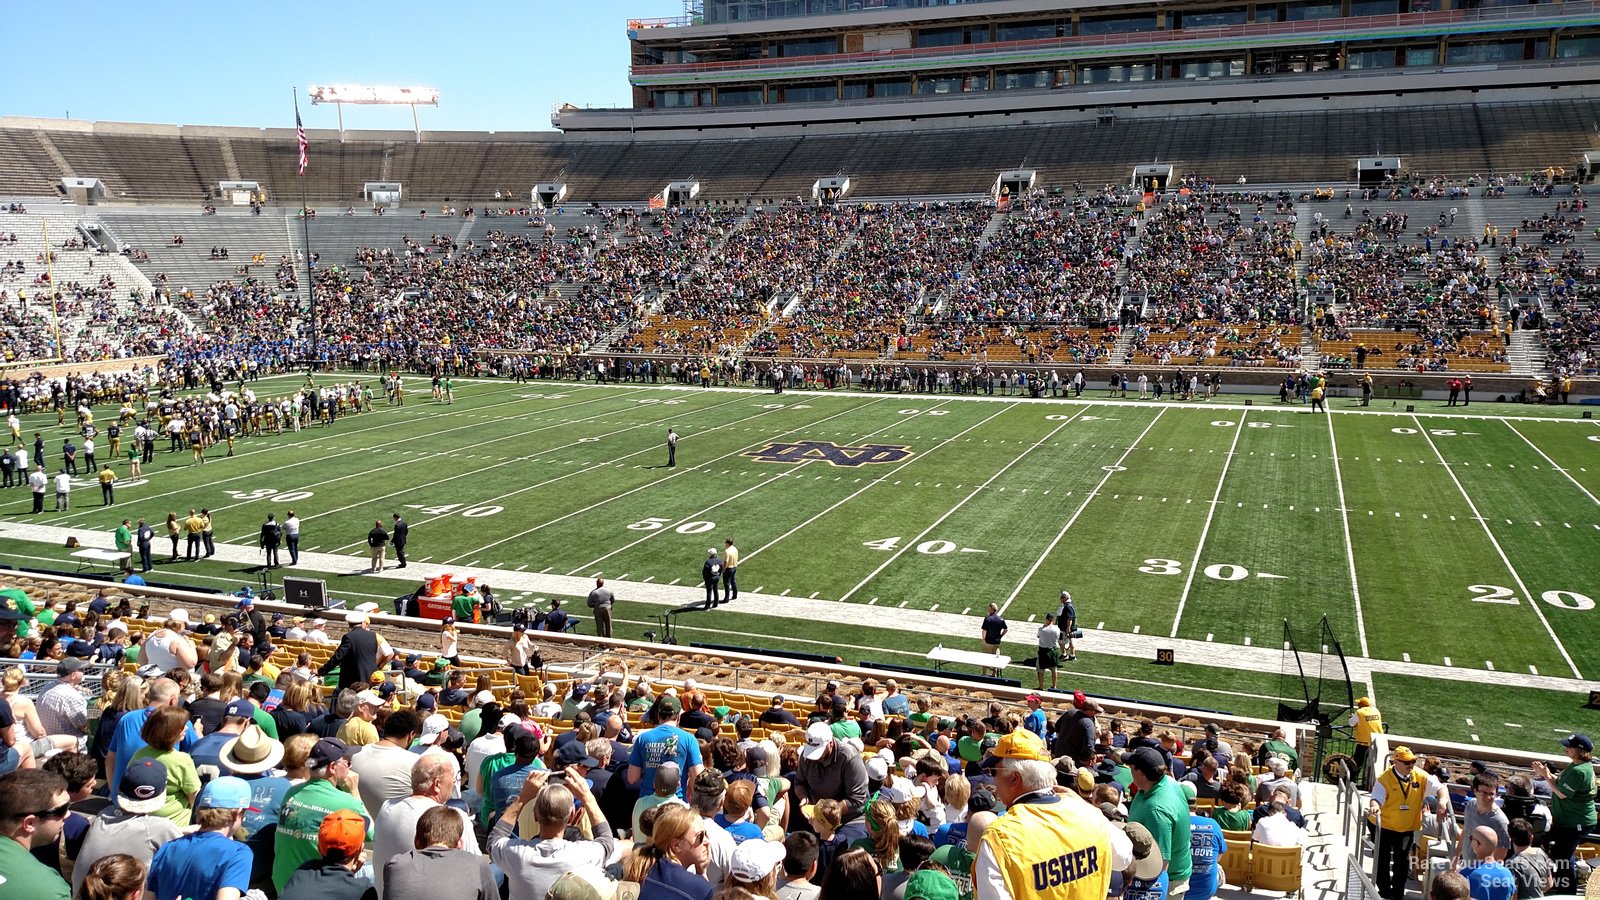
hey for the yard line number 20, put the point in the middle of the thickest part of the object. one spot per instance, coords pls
(1494, 593)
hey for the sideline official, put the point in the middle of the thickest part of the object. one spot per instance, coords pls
(600, 600)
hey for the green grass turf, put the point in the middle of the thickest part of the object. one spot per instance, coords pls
(1524, 718)
(1139, 509)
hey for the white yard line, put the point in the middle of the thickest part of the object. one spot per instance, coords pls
(876, 481)
(1211, 511)
(1575, 482)
(1079, 511)
(952, 510)
(1349, 548)
(320, 434)
(772, 479)
(687, 469)
(1489, 533)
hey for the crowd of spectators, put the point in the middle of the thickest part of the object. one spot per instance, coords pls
(229, 770)
(1054, 259)
(1223, 258)
(1205, 276)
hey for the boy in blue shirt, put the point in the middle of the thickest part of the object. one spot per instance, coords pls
(208, 864)
(1207, 843)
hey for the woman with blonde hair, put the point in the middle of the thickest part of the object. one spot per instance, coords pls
(955, 791)
(883, 835)
(296, 710)
(115, 877)
(41, 742)
(661, 868)
(123, 694)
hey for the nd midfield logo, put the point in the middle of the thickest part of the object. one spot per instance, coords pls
(830, 453)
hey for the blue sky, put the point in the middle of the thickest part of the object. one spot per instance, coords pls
(499, 66)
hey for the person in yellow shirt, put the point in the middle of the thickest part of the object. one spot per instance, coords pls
(1399, 797)
(358, 730)
(108, 480)
(193, 527)
(1049, 845)
(1367, 721)
(730, 568)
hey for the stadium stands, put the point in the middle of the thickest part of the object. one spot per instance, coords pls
(159, 163)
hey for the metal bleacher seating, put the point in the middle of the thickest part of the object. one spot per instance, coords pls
(1305, 146)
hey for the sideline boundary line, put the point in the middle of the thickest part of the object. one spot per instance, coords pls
(1349, 548)
(1205, 530)
(1078, 512)
(1489, 533)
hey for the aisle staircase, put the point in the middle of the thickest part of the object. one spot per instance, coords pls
(1527, 353)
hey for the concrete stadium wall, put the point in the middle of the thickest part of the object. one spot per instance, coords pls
(97, 367)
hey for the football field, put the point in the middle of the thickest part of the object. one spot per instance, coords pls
(1449, 548)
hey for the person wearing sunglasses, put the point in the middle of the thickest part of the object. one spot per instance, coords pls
(33, 807)
(665, 868)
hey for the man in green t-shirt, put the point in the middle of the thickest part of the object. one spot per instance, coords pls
(332, 786)
(1572, 812)
(124, 538)
(1162, 807)
(1278, 745)
(33, 807)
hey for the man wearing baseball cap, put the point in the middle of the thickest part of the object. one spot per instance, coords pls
(331, 787)
(664, 743)
(1047, 846)
(1399, 796)
(830, 770)
(358, 730)
(333, 874)
(208, 862)
(1148, 879)
(1572, 811)
(127, 825)
(1161, 807)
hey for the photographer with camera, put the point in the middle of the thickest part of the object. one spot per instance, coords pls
(558, 798)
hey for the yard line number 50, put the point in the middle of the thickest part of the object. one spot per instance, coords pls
(1494, 593)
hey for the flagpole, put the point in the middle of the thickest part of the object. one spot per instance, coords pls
(305, 230)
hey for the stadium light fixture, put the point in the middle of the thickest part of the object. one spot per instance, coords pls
(374, 95)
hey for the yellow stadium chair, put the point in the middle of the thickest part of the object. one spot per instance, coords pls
(1235, 860)
(1276, 869)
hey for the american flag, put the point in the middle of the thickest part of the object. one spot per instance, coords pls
(300, 137)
